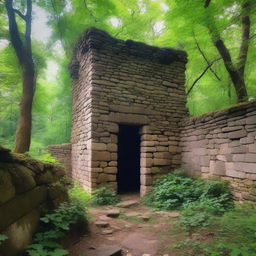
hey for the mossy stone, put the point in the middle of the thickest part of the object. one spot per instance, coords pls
(7, 189)
(57, 193)
(22, 177)
(22, 204)
(46, 178)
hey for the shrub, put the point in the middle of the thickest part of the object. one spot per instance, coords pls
(175, 190)
(104, 196)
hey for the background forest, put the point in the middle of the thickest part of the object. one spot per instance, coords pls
(196, 26)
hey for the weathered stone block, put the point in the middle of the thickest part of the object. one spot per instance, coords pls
(146, 162)
(237, 134)
(146, 180)
(112, 170)
(217, 167)
(100, 156)
(160, 161)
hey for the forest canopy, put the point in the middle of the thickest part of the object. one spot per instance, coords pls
(218, 35)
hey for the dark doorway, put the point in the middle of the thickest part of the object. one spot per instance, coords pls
(128, 175)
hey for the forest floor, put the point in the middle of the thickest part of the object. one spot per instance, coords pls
(129, 229)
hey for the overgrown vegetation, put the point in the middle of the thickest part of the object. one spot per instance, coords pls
(232, 234)
(210, 223)
(176, 190)
(54, 225)
(104, 196)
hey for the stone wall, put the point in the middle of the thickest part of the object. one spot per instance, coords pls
(223, 144)
(26, 187)
(62, 152)
(125, 82)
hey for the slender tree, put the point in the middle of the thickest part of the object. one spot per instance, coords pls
(23, 52)
(235, 71)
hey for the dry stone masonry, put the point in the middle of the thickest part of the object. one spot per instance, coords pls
(124, 82)
(62, 152)
(222, 144)
(119, 82)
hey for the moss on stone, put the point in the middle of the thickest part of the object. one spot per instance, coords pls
(7, 189)
(22, 177)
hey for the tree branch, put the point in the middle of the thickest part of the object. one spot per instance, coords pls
(202, 74)
(205, 58)
(20, 14)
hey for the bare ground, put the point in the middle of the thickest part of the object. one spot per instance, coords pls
(139, 230)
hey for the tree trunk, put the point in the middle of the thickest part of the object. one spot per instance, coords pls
(23, 132)
(236, 73)
(237, 79)
(24, 54)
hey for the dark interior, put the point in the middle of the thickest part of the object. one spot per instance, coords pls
(128, 176)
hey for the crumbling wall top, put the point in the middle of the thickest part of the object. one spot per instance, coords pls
(94, 38)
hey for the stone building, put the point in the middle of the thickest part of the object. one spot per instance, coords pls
(130, 123)
(128, 99)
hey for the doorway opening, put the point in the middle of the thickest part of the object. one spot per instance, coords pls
(128, 175)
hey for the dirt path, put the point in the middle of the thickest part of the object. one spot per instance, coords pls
(129, 229)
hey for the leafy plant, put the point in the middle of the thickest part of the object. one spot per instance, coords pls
(232, 234)
(176, 190)
(2, 238)
(104, 196)
(47, 242)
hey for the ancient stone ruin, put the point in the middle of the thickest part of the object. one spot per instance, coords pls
(130, 122)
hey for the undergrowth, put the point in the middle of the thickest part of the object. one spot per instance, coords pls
(176, 190)
(104, 196)
(232, 234)
(55, 225)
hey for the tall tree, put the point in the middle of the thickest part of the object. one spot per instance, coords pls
(225, 29)
(23, 52)
(235, 71)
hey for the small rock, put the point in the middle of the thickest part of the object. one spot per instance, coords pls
(101, 224)
(146, 254)
(104, 217)
(173, 214)
(113, 213)
(145, 217)
(132, 214)
(107, 232)
(127, 203)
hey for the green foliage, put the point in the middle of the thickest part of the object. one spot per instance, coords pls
(47, 157)
(79, 195)
(176, 190)
(104, 196)
(233, 234)
(47, 242)
(3, 238)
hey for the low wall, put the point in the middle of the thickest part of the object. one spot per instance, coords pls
(27, 187)
(222, 144)
(62, 152)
